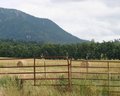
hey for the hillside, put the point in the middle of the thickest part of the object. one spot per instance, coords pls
(17, 25)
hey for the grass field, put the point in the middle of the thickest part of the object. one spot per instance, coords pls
(9, 85)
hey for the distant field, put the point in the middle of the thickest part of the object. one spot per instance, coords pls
(30, 62)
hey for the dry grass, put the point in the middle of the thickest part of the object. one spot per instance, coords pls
(51, 91)
(30, 62)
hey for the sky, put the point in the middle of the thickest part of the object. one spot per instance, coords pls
(86, 19)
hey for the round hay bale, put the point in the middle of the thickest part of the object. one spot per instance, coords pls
(21, 63)
(84, 64)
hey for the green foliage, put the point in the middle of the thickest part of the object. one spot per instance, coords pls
(63, 84)
(10, 87)
(11, 81)
(90, 50)
(105, 91)
(85, 88)
(4, 81)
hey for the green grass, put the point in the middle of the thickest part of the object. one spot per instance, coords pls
(11, 86)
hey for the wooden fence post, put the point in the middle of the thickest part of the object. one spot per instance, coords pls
(108, 65)
(69, 74)
(87, 65)
(34, 72)
(45, 69)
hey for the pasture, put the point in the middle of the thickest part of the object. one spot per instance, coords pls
(59, 77)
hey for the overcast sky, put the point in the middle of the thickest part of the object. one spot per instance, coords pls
(86, 19)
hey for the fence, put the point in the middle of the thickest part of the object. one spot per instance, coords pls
(38, 69)
(105, 74)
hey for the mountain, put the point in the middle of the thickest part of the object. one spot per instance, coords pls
(17, 25)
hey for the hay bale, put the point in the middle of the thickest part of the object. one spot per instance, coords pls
(21, 63)
(84, 64)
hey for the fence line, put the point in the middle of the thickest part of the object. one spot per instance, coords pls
(109, 73)
(71, 71)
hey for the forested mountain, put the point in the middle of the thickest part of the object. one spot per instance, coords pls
(17, 25)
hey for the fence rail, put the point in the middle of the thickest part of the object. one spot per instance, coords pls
(81, 70)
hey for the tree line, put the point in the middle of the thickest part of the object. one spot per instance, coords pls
(88, 50)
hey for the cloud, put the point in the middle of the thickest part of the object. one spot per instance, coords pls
(87, 19)
(112, 3)
(63, 1)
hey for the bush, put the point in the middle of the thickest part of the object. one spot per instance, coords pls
(11, 81)
(63, 84)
